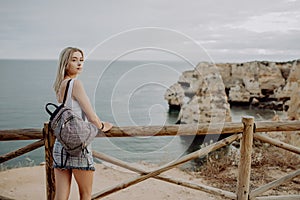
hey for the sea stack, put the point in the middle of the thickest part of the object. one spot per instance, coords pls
(205, 93)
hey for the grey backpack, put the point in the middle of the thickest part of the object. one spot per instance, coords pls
(70, 129)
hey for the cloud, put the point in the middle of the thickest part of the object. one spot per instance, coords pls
(226, 28)
(273, 22)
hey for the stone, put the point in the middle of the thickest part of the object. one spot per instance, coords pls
(294, 106)
(238, 93)
(270, 76)
(203, 94)
(270, 83)
(208, 101)
(291, 83)
(255, 102)
(175, 95)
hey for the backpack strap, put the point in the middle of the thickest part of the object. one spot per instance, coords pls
(66, 91)
(55, 106)
(65, 98)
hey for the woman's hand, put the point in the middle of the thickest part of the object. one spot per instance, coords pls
(106, 126)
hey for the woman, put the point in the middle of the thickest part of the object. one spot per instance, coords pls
(82, 167)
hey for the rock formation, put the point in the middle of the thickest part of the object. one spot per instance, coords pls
(208, 101)
(175, 96)
(209, 88)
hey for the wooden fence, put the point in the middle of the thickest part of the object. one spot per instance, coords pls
(245, 132)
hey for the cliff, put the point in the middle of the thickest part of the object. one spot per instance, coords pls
(209, 88)
(205, 90)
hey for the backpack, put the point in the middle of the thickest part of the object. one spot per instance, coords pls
(71, 130)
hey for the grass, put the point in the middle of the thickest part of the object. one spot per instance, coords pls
(268, 164)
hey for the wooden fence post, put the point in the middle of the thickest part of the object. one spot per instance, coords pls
(50, 181)
(244, 169)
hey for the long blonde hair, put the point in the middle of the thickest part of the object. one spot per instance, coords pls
(64, 59)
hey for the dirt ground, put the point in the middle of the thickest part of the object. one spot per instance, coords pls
(269, 163)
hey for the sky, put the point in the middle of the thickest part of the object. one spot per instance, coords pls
(220, 30)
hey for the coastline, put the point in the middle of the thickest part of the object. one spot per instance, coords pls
(29, 183)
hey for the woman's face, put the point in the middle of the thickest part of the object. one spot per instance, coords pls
(75, 65)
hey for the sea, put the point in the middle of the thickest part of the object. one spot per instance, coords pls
(123, 92)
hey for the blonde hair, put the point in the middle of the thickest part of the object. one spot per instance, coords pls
(64, 59)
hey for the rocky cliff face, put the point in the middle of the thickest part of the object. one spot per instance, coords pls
(204, 94)
(205, 90)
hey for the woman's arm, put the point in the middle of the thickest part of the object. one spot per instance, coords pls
(80, 95)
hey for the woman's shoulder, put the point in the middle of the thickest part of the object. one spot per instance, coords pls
(77, 84)
(64, 83)
(78, 88)
(61, 90)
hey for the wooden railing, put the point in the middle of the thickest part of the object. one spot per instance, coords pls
(245, 131)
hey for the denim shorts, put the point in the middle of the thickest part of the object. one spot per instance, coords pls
(63, 160)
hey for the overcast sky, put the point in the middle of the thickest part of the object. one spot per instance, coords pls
(227, 30)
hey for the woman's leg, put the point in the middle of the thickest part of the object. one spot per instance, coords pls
(62, 183)
(84, 179)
